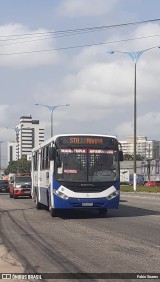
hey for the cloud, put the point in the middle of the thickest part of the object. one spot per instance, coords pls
(101, 87)
(147, 125)
(94, 87)
(16, 38)
(3, 113)
(83, 8)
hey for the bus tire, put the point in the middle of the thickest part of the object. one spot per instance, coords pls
(103, 211)
(38, 204)
(52, 212)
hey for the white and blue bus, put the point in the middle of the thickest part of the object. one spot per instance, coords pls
(77, 171)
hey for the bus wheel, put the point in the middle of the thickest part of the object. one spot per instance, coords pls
(38, 204)
(102, 211)
(52, 212)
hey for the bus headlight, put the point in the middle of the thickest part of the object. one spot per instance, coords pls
(60, 194)
(112, 195)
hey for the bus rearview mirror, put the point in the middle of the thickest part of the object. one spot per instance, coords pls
(120, 156)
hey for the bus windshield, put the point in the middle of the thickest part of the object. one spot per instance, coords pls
(87, 165)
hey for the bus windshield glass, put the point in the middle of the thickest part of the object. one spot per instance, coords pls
(87, 165)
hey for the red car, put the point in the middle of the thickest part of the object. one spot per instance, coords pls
(153, 184)
(21, 186)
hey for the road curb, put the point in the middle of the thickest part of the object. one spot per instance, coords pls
(148, 195)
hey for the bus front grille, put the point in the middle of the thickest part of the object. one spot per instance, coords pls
(86, 189)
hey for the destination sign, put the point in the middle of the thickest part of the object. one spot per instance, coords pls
(82, 141)
(87, 140)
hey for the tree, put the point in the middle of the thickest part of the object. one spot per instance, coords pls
(19, 166)
(139, 157)
(128, 157)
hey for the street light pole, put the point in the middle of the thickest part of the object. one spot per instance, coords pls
(51, 109)
(134, 56)
(0, 159)
(51, 123)
(135, 128)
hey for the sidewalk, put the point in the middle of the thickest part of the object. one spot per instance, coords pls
(9, 264)
(148, 194)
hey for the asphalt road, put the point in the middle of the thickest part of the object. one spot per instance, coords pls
(127, 240)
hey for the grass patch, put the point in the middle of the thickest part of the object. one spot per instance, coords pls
(127, 188)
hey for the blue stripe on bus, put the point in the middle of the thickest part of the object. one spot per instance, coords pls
(77, 203)
(72, 203)
(56, 184)
(117, 185)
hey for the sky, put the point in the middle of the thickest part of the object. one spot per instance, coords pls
(51, 53)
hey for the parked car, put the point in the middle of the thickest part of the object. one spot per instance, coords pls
(4, 186)
(140, 180)
(153, 184)
(20, 186)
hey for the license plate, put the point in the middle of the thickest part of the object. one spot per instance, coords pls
(26, 192)
(3, 189)
(87, 204)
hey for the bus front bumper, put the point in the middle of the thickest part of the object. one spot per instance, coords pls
(90, 203)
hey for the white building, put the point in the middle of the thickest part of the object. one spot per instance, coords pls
(29, 134)
(151, 170)
(12, 151)
(148, 149)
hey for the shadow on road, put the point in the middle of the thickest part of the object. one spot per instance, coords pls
(123, 211)
(130, 211)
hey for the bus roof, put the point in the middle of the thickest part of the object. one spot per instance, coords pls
(52, 139)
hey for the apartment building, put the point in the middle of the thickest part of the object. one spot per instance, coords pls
(12, 151)
(29, 134)
(148, 149)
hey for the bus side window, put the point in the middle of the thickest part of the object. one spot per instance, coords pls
(59, 159)
(47, 157)
(52, 154)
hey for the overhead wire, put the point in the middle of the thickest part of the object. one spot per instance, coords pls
(39, 39)
(62, 33)
(78, 46)
(75, 31)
